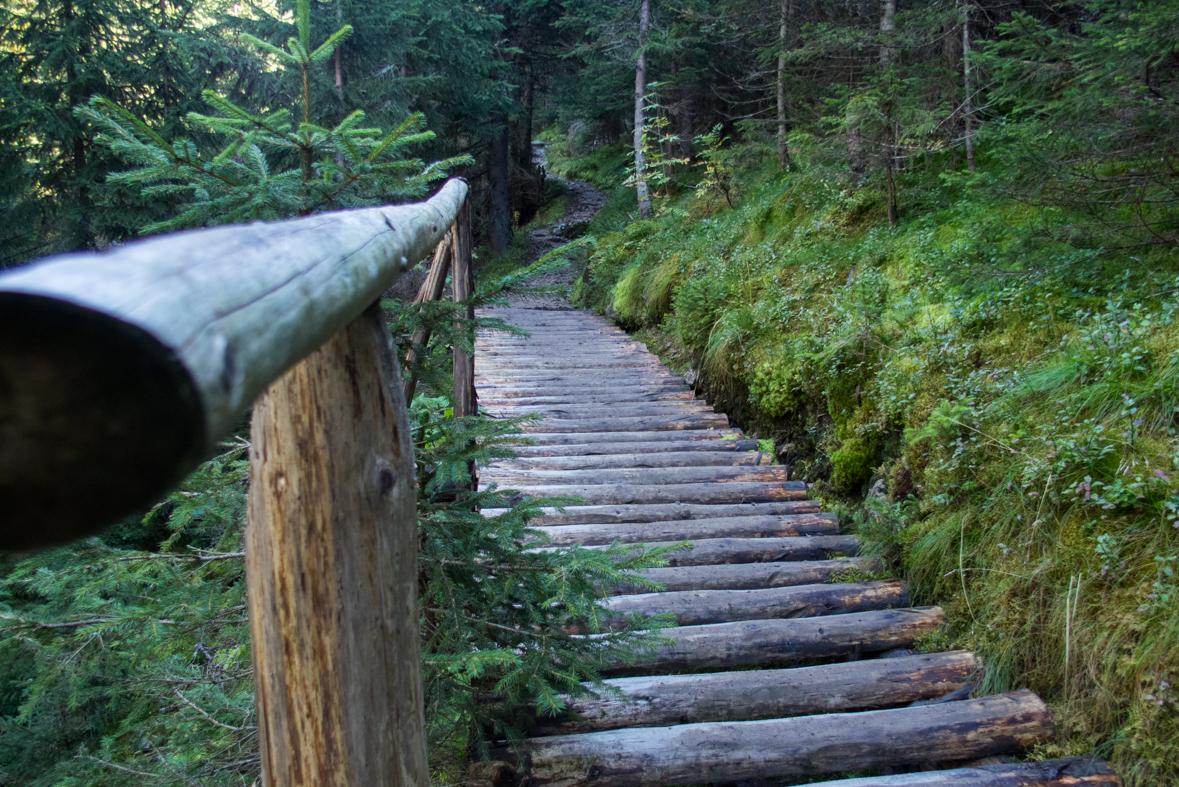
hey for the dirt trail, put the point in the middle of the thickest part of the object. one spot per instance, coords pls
(585, 202)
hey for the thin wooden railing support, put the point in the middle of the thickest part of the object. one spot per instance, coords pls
(431, 290)
(331, 567)
(464, 287)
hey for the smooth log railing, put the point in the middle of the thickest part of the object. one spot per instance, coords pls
(121, 371)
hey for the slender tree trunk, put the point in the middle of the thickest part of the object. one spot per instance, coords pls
(887, 56)
(783, 152)
(887, 28)
(968, 88)
(501, 210)
(640, 98)
(524, 154)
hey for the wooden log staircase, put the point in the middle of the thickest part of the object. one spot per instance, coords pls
(791, 658)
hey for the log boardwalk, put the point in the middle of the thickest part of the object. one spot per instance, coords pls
(792, 656)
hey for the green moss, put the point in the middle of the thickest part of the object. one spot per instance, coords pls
(853, 464)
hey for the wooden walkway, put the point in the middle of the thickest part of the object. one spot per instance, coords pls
(785, 664)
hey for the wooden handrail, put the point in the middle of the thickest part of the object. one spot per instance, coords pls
(119, 371)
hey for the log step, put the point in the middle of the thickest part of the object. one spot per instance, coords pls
(766, 581)
(561, 437)
(672, 443)
(653, 459)
(749, 576)
(656, 701)
(1070, 772)
(702, 607)
(694, 529)
(506, 476)
(722, 646)
(582, 397)
(723, 492)
(594, 410)
(661, 512)
(797, 746)
(638, 423)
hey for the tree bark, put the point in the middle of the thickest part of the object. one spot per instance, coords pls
(765, 694)
(465, 400)
(783, 151)
(431, 290)
(1072, 772)
(691, 421)
(887, 30)
(735, 751)
(693, 529)
(702, 607)
(968, 84)
(659, 457)
(331, 546)
(524, 154)
(660, 512)
(500, 229)
(644, 195)
(750, 576)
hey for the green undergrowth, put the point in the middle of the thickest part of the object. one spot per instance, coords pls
(988, 398)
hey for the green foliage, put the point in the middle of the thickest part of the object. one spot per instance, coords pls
(325, 168)
(117, 659)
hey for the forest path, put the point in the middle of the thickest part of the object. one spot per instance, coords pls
(792, 656)
(584, 202)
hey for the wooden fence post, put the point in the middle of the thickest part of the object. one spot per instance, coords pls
(464, 287)
(332, 570)
(431, 290)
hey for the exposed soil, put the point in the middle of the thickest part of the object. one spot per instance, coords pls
(584, 203)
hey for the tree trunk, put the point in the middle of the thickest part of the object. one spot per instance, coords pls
(524, 154)
(331, 546)
(968, 80)
(640, 100)
(887, 29)
(500, 228)
(783, 152)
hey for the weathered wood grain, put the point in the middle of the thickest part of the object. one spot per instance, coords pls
(672, 443)
(730, 751)
(725, 492)
(1071, 772)
(579, 438)
(638, 475)
(463, 287)
(584, 388)
(755, 642)
(746, 576)
(652, 423)
(718, 551)
(660, 512)
(331, 562)
(700, 607)
(660, 458)
(431, 290)
(211, 317)
(583, 398)
(694, 529)
(597, 410)
(655, 701)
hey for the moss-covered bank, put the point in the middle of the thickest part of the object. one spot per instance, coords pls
(991, 401)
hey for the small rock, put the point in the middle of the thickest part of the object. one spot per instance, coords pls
(879, 489)
(690, 377)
